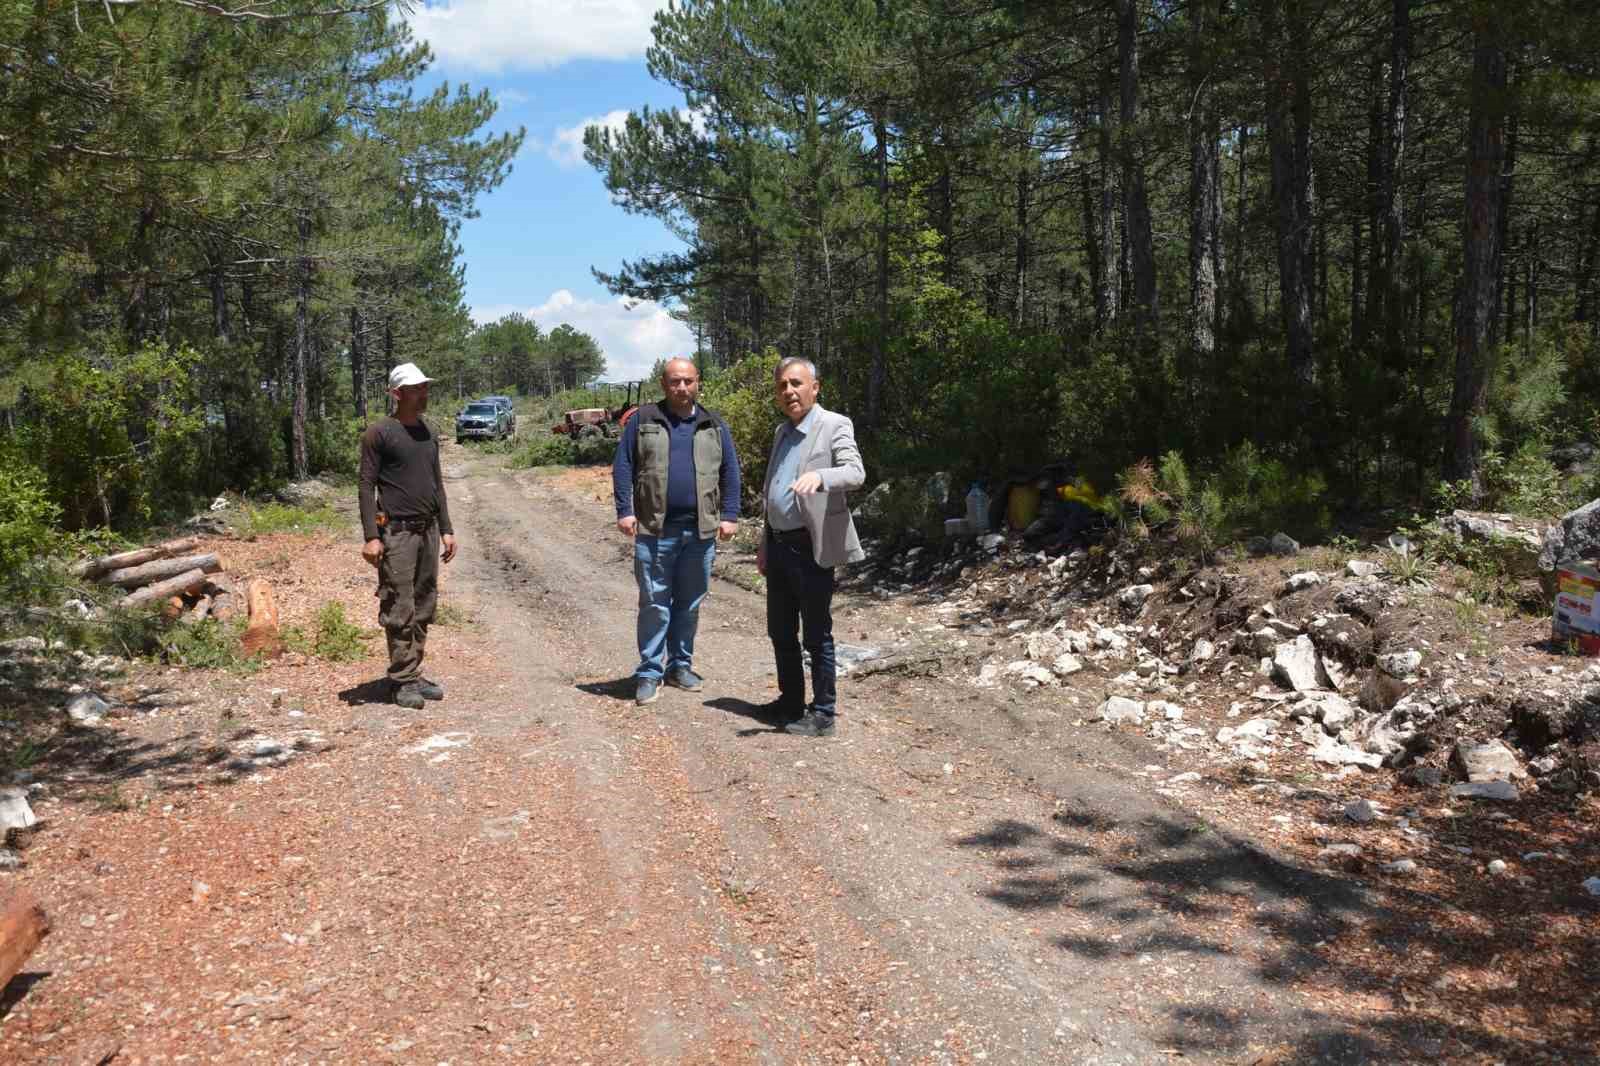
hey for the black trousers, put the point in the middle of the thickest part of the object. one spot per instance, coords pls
(800, 610)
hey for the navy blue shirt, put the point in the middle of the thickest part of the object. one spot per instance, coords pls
(682, 499)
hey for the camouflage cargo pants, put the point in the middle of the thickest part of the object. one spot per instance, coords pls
(408, 592)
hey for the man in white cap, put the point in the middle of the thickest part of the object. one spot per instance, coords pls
(406, 523)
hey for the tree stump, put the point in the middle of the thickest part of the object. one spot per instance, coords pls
(261, 635)
(23, 924)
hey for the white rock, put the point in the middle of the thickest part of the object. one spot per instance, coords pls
(1295, 665)
(1592, 886)
(1362, 568)
(87, 709)
(988, 676)
(1134, 596)
(1497, 866)
(1254, 729)
(1361, 812)
(1037, 675)
(1303, 580)
(990, 542)
(1076, 641)
(10, 860)
(1066, 663)
(27, 645)
(1400, 664)
(1332, 753)
(265, 748)
(1110, 639)
(14, 810)
(1399, 866)
(1487, 762)
(1170, 711)
(1202, 651)
(1183, 779)
(1341, 851)
(1118, 709)
(1489, 790)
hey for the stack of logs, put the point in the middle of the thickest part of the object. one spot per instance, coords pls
(188, 586)
(167, 574)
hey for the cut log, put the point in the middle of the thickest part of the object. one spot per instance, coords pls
(92, 567)
(189, 583)
(173, 608)
(23, 924)
(261, 634)
(132, 577)
(219, 584)
(200, 611)
(223, 606)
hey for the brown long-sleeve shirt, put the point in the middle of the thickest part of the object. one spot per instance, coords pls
(400, 472)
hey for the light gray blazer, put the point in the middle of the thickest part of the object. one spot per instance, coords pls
(830, 450)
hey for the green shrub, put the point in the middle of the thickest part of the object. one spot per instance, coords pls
(337, 639)
(28, 517)
(742, 395)
(118, 434)
(544, 449)
(205, 645)
(333, 446)
(259, 519)
(594, 451)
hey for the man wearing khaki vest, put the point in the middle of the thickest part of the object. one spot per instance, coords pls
(675, 480)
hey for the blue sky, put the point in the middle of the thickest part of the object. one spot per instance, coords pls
(555, 66)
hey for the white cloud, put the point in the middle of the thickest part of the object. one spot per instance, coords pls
(513, 97)
(496, 35)
(567, 148)
(633, 336)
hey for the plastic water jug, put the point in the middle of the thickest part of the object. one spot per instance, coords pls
(977, 509)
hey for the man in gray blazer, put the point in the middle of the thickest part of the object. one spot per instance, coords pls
(809, 531)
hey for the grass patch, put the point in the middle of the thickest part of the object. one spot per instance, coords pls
(448, 614)
(259, 519)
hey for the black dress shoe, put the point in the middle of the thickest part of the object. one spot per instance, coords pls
(780, 710)
(811, 725)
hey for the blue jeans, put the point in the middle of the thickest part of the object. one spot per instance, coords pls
(800, 609)
(673, 572)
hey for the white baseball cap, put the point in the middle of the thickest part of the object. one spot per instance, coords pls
(406, 374)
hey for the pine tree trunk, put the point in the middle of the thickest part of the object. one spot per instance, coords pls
(878, 376)
(1584, 282)
(1136, 209)
(1092, 253)
(358, 363)
(302, 303)
(1205, 204)
(1106, 297)
(1476, 321)
(1289, 135)
(1393, 202)
(1019, 313)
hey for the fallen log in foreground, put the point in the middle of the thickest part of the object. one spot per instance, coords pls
(23, 924)
(132, 577)
(261, 633)
(134, 557)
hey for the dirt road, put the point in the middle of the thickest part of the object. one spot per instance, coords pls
(536, 870)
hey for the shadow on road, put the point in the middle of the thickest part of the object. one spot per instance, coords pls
(378, 690)
(621, 688)
(1147, 874)
(765, 713)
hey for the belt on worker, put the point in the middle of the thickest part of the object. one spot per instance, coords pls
(789, 536)
(410, 525)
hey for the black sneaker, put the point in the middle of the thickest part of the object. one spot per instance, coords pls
(430, 690)
(649, 688)
(686, 679)
(812, 725)
(408, 695)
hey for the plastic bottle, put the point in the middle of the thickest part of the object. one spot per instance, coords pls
(977, 509)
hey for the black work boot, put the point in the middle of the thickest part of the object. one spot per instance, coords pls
(408, 695)
(430, 690)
